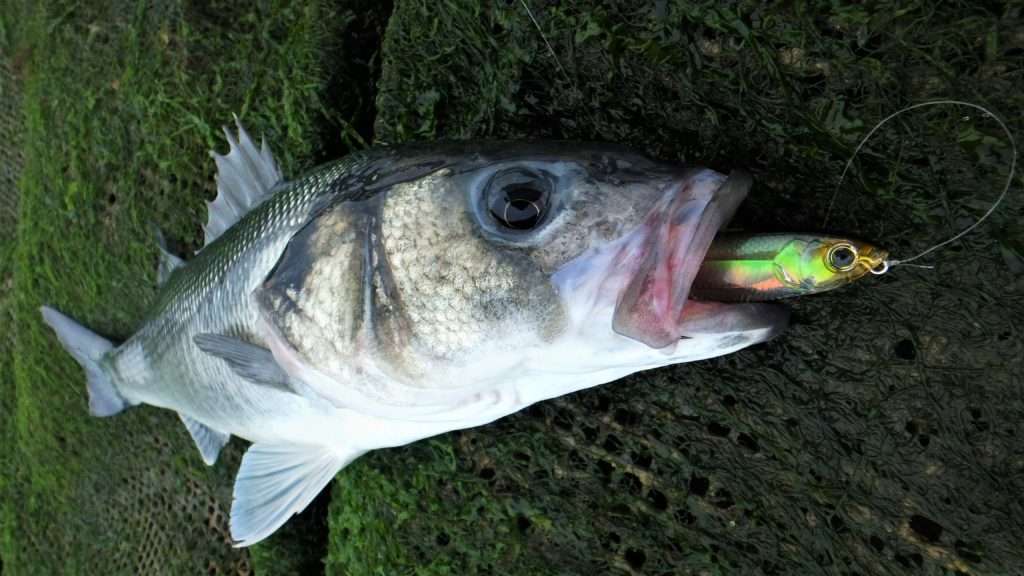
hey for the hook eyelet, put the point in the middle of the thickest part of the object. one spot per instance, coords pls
(880, 269)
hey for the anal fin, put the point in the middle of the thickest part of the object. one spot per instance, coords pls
(277, 481)
(208, 440)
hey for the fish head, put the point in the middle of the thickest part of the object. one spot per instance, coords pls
(820, 264)
(513, 262)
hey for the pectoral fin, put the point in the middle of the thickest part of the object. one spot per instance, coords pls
(254, 363)
(208, 440)
(277, 481)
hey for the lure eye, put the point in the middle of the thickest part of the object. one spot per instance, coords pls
(518, 199)
(842, 257)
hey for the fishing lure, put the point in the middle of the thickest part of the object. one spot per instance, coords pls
(762, 267)
(738, 270)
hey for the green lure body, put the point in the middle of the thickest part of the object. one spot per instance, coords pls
(764, 267)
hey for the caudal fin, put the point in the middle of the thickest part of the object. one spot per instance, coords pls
(88, 349)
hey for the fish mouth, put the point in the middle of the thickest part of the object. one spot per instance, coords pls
(665, 252)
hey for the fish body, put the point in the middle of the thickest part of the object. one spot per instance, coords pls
(402, 293)
(160, 365)
(763, 267)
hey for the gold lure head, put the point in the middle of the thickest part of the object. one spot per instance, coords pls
(820, 264)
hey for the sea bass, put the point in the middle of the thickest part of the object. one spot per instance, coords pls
(404, 292)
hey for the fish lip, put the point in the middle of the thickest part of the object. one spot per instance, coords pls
(650, 306)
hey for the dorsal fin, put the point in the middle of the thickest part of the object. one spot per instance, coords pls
(245, 177)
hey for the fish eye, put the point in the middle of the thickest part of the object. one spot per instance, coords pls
(842, 257)
(519, 209)
(517, 200)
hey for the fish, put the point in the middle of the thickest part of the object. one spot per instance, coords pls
(403, 292)
(749, 267)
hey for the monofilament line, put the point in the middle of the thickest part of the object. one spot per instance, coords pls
(999, 200)
(548, 44)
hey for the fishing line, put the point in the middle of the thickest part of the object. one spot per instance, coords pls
(576, 92)
(887, 265)
(545, 39)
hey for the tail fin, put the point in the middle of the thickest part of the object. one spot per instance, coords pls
(88, 349)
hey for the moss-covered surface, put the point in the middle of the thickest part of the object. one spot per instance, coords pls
(880, 435)
(122, 101)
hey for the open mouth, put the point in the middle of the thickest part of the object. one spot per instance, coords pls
(675, 235)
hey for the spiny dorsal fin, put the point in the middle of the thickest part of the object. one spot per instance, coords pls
(168, 262)
(245, 177)
(208, 440)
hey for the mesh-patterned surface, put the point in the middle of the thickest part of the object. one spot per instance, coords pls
(149, 514)
(879, 435)
(81, 495)
(144, 513)
(165, 512)
(121, 107)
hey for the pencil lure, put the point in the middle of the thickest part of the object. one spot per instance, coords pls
(761, 267)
